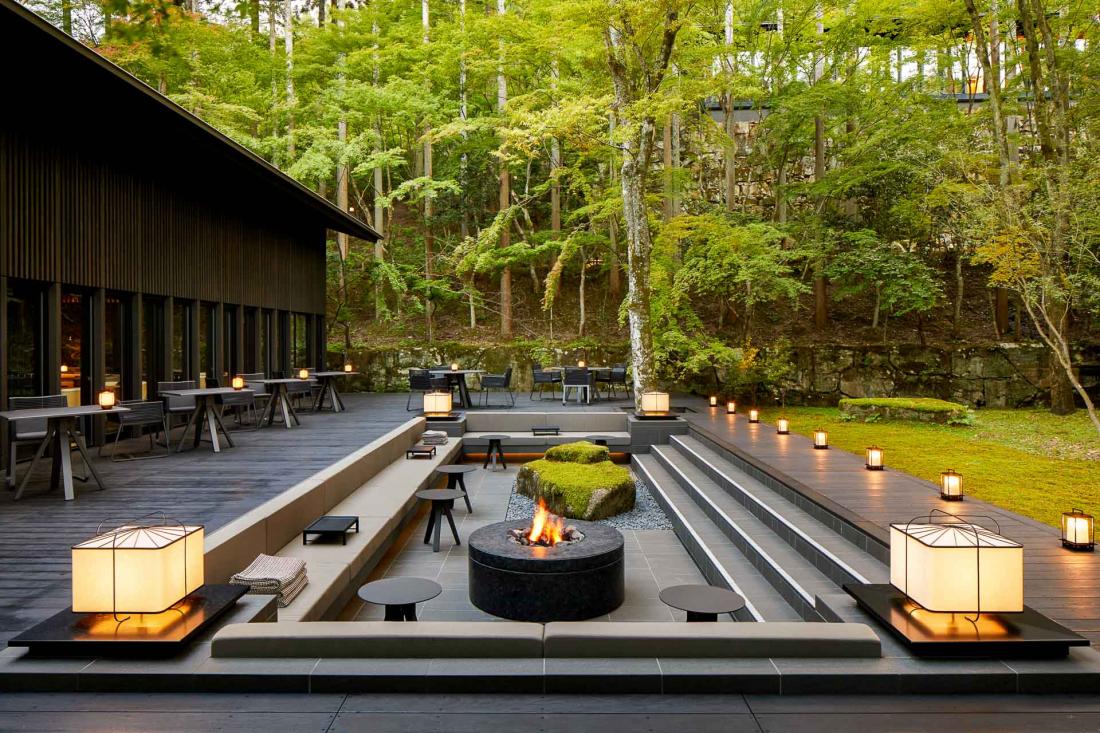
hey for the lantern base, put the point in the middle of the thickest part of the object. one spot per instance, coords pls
(875, 468)
(821, 447)
(938, 634)
(670, 415)
(782, 432)
(442, 416)
(952, 498)
(68, 634)
(1079, 546)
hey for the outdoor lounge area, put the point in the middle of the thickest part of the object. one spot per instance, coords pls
(549, 365)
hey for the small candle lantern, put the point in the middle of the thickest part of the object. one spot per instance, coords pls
(821, 439)
(874, 458)
(754, 415)
(64, 369)
(303, 374)
(238, 382)
(437, 404)
(951, 485)
(655, 403)
(580, 364)
(1078, 530)
(348, 368)
(454, 366)
(714, 400)
(731, 407)
(107, 399)
(783, 426)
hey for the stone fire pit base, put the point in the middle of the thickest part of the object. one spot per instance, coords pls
(569, 582)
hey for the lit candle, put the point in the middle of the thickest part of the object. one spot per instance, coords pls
(348, 368)
(783, 426)
(821, 439)
(303, 374)
(731, 407)
(238, 382)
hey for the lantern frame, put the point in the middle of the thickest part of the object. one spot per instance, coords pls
(106, 399)
(873, 458)
(1073, 518)
(731, 407)
(435, 400)
(713, 401)
(754, 415)
(303, 374)
(951, 485)
(821, 439)
(782, 426)
(655, 403)
(348, 368)
(238, 382)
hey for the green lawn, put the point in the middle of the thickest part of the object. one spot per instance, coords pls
(1028, 461)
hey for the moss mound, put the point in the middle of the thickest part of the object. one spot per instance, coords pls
(580, 452)
(578, 480)
(924, 409)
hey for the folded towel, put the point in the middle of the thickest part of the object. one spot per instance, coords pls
(270, 569)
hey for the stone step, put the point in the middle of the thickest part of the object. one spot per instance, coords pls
(842, 561)
(717, 557)
(794, 577)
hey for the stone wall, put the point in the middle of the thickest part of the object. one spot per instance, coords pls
(1005, 375)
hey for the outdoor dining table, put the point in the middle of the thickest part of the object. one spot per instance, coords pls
(328, 386)
(280, 400)
(205, 415)
(458, 376)
(61, 433)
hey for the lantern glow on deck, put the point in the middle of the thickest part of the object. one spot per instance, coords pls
(783, 426)
(821, 439)
(874, 458)
(1078, 530)
(437, 403)
(655, 403)
(951, 485)
(137, 568)
(754, 415)
(106, 399)
(957, 567)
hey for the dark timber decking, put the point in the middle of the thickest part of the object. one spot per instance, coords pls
(1062, 584)
(37, 532)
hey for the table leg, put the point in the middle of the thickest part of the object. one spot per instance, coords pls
(438, 526)
(78, 439)
(694, 616)
(221, 426)
(50, 430)
(431, 525)
(395, 612)
(410, 612)
(450, 521)
(64, 457)
(268, 415)
(465, 493)
(287, 408)
(319, 400)
(211, 425)
(194, 419)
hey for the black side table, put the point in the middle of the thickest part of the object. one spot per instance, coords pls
(494, 451)
(702, 602)
(443, 500)
(454, 473)
(331, 526)
(400, 595)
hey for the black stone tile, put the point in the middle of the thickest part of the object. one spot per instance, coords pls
(695, 676)
(620, 676)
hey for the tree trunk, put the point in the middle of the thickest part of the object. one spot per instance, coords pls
(878, 304)
(379, 186)
(580, 297)
(429, 234)
(959, 283)
(254, 16)
(67, 16)
(288, 45)
(505, 197)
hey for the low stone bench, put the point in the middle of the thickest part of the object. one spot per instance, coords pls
(713, 640)
(380, 639)
(558, 639)
(516, 426)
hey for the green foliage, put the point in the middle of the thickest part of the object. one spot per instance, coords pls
(580, 452)
(914, 404)
(568, 487)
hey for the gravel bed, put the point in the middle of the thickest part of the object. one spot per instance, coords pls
(647, 514)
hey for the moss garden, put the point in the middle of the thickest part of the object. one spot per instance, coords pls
(578, 480)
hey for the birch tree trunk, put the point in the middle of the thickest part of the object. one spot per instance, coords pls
(429, 235)
(379, 186)
(288, 46)
(505, 197)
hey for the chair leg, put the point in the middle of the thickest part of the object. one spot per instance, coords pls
(408, 402)
(12, 457)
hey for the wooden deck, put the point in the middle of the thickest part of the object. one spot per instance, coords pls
(1060, 583)
(194, 486)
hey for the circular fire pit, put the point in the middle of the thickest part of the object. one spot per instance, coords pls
(570, 581)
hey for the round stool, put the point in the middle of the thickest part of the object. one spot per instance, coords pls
(400, 595)
(494, 451)
(443, 500)
(702, 602)
(454, 472)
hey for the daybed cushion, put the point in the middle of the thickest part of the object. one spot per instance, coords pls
(731, 640)
(393, 639)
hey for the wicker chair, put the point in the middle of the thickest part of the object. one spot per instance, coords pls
(540, 378)
(497, 381)
(139, 415)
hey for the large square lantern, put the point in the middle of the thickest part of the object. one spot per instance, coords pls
(957, 567)
(1078, 530)
(437, 403)
(655, 403)
(137, 568)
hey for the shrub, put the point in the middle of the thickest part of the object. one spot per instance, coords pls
(580, 452)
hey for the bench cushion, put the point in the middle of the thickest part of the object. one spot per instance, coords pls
(729, 640)
(393, 639)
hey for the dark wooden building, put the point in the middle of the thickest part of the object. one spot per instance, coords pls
(137, 243)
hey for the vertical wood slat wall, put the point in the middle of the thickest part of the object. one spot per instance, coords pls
(67, 216)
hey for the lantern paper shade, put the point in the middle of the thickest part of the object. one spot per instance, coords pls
(238, 382)
(1077, 530)
(437, 403)
(731, 407)
(714, 400)
(106, 399)
(951, 485)
(957, 567)
(874, 458)
(654, 402)
(821, 439)
(754, 415)
(783, 426)
(348, 368)
(137, 569)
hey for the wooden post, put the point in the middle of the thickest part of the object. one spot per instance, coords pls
(258, 355)
(191, 367)
(217, 337)
(4, 457)
(51, 357)
(236, 362)
(167, 341)
(1000, 315)
(285, 360)
(95, 341)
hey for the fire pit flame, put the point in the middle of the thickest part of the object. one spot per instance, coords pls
(546, 530)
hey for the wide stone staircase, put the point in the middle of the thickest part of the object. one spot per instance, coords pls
(789, 562)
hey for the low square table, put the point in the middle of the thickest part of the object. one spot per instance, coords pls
(331, 526)
(546, 430)
(420, 451)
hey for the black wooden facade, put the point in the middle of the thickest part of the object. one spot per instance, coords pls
(115, 199)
